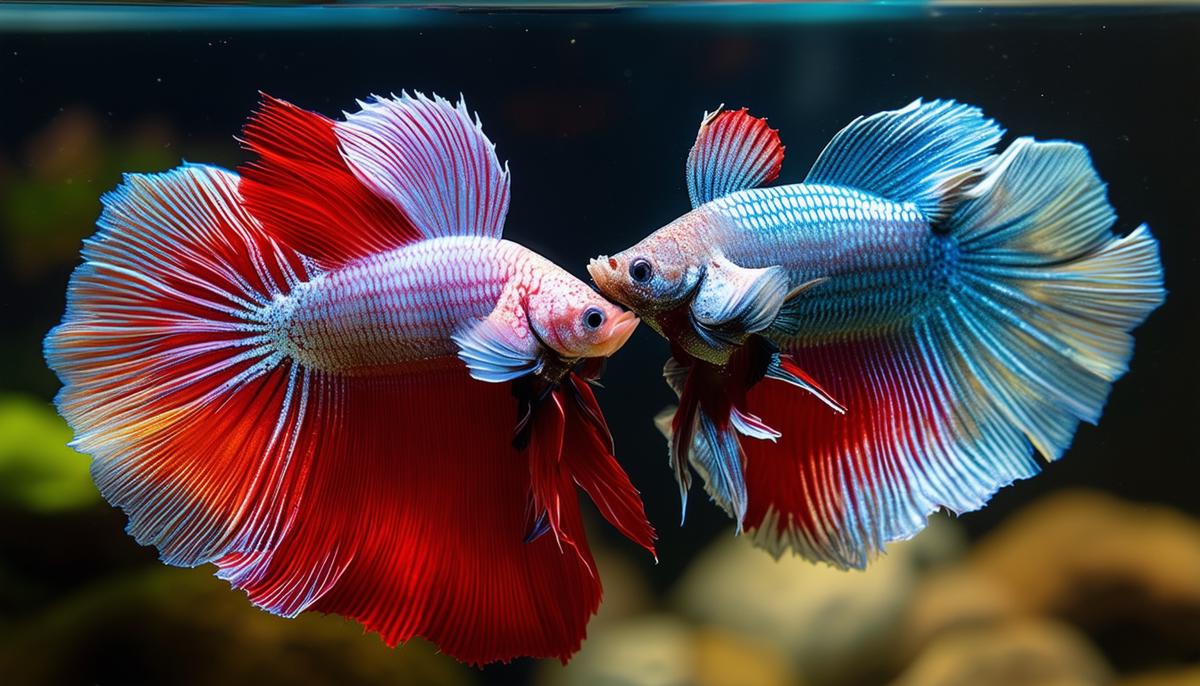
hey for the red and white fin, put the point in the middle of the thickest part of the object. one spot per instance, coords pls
(733, 151)
(170, 379)
(401, 169)
(306, 195)
(431, 159)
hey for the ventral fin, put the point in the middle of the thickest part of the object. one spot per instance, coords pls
(494, 351)
(733, 301)
(733, 151)
(926, 153)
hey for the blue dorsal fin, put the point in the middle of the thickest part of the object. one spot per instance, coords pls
(432, 160)
(924, 153)
(733, 151)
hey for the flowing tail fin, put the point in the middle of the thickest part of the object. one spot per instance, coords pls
(1023, 344)
(1022, 339)
(399, 501)
(1049, 292)
(166, 353)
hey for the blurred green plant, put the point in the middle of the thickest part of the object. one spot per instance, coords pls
(37, 470)
(50, 194)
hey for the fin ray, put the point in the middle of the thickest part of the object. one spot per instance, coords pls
(733, 151)
(924, 153)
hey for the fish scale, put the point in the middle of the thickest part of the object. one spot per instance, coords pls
(399, 306)
(875, 253)
(939, 311)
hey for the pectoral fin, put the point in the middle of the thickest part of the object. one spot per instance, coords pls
(494, 352)
(734, 301)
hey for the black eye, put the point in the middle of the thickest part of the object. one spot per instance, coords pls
(640, 270)
(593, 318)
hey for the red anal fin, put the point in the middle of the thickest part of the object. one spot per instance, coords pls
(306, 195)
(414, 522)
(588, 457)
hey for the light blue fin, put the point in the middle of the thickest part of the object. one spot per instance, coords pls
(492, 353)
(1055, 292)
(733, 151)
(432, 160)
(1023, 345)
(733, 301)
(924, 153)
(716, 456)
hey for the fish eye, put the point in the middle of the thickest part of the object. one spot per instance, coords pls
(640, 270)
(593, 318)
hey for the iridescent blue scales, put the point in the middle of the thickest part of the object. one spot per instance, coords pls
(899, 333)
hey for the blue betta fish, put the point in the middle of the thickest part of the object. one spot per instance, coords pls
(899, 333)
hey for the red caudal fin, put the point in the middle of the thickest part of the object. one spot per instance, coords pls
(398, 170)
(415, 522)
(399, 501)
(165, 356)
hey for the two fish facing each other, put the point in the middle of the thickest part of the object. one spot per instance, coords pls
(330, 376)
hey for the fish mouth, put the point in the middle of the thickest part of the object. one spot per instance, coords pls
(601, 269)
(620, 330)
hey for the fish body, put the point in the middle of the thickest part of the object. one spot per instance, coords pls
(902, 332)
(330, 376)
(404, 306)
(880, 261)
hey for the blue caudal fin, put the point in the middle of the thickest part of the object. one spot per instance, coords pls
(1055, 292)
(1025, 341)
(923, 153)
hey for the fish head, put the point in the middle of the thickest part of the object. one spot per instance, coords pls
(574, 320)
(658, 273)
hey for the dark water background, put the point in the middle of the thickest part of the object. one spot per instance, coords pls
(595, 111)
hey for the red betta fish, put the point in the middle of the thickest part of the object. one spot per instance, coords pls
(332, 378)
(958, 309)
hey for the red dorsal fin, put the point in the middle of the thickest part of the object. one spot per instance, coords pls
(306, 195)
(733, 151)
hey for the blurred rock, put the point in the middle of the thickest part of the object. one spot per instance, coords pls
(179, 626)
(660, 650)
(835, 626)
(1180, 676)
(626, 591)
(951, 600)
(1027, 652)
(1129, 574)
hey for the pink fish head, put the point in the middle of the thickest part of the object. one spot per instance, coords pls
(576, 321)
